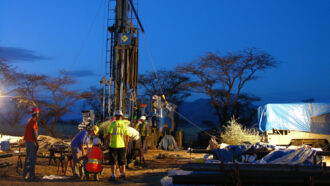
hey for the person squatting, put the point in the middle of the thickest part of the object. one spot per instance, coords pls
(88, 161)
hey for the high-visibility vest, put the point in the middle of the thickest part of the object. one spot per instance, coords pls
(118, 130)
(95, 155)
(143, 128)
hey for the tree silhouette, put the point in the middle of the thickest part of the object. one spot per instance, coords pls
(171, 82)
(223, 77)
(51, 94)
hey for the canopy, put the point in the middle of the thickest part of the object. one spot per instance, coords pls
(307, 117)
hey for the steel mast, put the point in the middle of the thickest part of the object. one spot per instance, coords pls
(121, 58)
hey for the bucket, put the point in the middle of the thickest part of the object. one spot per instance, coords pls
(5, 145)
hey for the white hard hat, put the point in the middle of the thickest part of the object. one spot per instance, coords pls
(143, 118)
(155, 97)
(96, 141)
(118, 113)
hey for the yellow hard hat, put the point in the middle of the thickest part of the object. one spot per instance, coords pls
(96, 130)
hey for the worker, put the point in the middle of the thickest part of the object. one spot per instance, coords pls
(94, 158)
(32, 146)
(77, 145)
(143, 129)
(126, 121)
(133, 147)
(135, 122)
(118, 141)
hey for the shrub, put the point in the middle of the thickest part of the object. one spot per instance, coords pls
(235, 134)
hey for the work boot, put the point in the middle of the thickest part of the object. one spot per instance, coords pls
(33, 179)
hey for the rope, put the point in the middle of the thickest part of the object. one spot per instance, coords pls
(152, 63)
(161, 90)
(192, 123)
(105, 32)
(86, 38)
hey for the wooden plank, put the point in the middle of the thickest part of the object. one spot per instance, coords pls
(3, 165)
(6, 155)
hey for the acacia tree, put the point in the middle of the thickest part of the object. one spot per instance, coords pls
(13, 114)
(171, 82)
(11, 117)
(50, 94)
(223, 77)
(60, 101)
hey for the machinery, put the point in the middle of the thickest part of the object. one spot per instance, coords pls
(88, 119)
(296, 123)
(120, 80)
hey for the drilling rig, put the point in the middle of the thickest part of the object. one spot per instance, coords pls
(120, 80)
(122, 52)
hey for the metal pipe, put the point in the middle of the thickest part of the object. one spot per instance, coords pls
(109, 98)
(215, 179)
(103, 110)
(137, 16)
(124, 12)
(121, 78)
(252, 167)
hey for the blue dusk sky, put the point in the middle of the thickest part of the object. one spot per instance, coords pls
(46, 36)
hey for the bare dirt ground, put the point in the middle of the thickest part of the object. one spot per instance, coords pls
(146, 174)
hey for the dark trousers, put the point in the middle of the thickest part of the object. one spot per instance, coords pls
(30, 159)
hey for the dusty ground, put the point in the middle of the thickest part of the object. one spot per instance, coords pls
(147, 174)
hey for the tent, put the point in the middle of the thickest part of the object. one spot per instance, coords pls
(306, 117)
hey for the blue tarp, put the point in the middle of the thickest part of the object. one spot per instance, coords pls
(303, 155)
(307, 117)
(234, 151)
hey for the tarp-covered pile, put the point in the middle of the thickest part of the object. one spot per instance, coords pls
(47, 142)
(302, 156)
(11, 139)
(277, 158)
(307, 117)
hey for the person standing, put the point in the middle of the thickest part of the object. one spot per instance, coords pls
(77, 146)
(143, 129)
(126, 120)
(118, 141)
(32, 146)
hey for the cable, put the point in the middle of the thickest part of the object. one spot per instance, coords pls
(192, 123)
(152, 63)
(161, 90)
(86, 38)
(104, 35)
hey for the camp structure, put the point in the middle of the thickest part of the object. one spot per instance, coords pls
(295, 123)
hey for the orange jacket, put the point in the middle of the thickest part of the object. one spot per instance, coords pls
(95, 155)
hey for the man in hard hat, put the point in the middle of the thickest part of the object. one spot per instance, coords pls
(32, 146)
(126, 120)
(118, 141)
(77, 146)
(143, 129)
(135, 121)
(95, 157)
